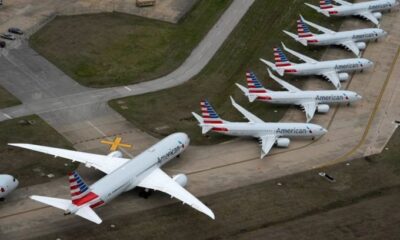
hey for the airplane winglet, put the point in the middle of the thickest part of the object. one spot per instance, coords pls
(284, 84)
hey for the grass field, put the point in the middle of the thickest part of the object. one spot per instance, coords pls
(167, 111)
(361, 204)
(30, 167)
(6, 99)
(110, 49)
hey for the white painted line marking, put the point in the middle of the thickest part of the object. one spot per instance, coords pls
(7, 116)
(128, 88)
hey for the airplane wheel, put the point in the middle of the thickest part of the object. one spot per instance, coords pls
(145, 194)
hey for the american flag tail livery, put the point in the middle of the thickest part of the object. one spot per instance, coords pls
(325, 4)
(253, 84)
(280, 58)
(208, 113)
(302, 29)
(82, 202)
(209, 119)
(77, 186)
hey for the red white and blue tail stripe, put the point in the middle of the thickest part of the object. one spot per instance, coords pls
(303, 30)
(325, 4)
(280, 58)
(253, 84)
(208, 113)
(77, 186)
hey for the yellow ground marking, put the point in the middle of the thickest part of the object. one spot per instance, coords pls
(116, 143)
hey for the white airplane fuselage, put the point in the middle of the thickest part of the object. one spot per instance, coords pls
(7, 184)
(319, 97)
(342, 65)
(355, 8)
(131, 173)
(360, 35)
(240, 129)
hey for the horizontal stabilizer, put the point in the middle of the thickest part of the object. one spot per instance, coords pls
(204, 127)
(280, 71)
(59, 203)
(251, 97)
(295, 37)
(89, 214)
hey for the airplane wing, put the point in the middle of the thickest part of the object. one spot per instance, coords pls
(320, 28)
(368, 15)
(286, 85)
(344, 3)
(333, 77)
(299, 55)
(160, 181)
(267, 141)
(351, 45)
(103, 163)
(309, 109)
(251, 117)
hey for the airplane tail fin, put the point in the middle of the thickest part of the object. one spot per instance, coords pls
(209, 117)
(77, 186)
(254, 87)
(303, 31)
(325, 4)
(280, 58)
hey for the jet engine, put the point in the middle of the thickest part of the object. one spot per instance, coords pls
(361, 45)
(116, 154)
(283, 142)
(323, 108)
(181, 179)
(378, 15)
(343, 76)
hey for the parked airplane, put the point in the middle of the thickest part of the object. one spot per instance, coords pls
(268, 133)
(353, 40)
(8, 184)
(370, 10)
(122, 175)
(333, 70)
(309, 101)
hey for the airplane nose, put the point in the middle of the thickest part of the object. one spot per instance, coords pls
(358, 96)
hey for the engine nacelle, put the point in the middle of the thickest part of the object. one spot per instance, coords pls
(181, 179)
(323, 108)
(378, 15)
(283, 142)
(116, 154)
(361, 45)
(343, 76)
